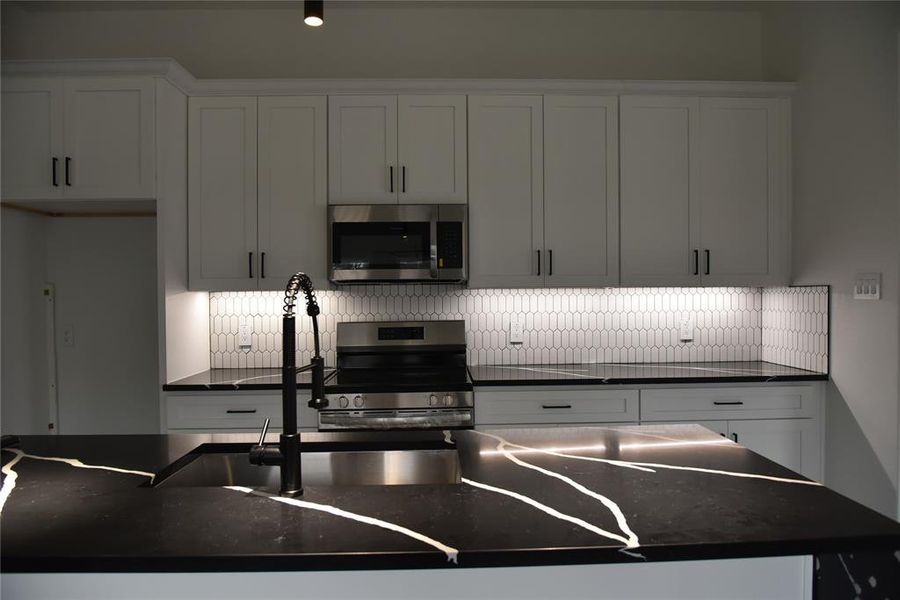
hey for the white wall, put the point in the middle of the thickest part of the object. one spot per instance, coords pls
(104, 272)
(847, 219)
(24, 403)
(403, 40)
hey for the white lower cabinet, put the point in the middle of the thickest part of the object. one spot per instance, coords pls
(539, 406)
(232, 412)
(779, 422)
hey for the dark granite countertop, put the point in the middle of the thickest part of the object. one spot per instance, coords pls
(542, 496)
(639, 373)
(238, 379)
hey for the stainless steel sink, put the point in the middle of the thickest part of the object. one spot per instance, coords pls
(218, 467)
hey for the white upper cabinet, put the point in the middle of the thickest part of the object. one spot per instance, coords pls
(742, 177)
(109, 138)
(85, 138)
(362, 149)
(581, 190)
(292, 189)
(704, 197)
(222, 194)
(659, 199)
(432, 149)
(32, 138)
(506, 191)
(389, 149)
(257, 191)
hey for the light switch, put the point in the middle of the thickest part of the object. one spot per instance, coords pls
(686, 329)
(867, 286)
(516, 331)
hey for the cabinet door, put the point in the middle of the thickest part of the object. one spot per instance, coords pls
(432, 149)
(32, 138)
(506, 191)
(659, 199)
(292, 194)
(792, 443)
(581, 190)
(740, 183)
(222, 194)
(362, 150)
(109, 141)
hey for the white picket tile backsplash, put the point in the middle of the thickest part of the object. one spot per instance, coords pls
(562, 325)
(795, 326)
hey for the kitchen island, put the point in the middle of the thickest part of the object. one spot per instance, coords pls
(555, 500)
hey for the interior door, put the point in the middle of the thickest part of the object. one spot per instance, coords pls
(581, 190)
(109, 137)
(222, 223)
(32, 138)
(659, 197)
(362, 150)
(293, 199)
(739, 183)
(506, 191)
(432, 149)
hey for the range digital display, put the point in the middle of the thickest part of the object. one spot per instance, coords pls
(401, 333)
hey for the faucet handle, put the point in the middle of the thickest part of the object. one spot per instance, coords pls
(262, 435)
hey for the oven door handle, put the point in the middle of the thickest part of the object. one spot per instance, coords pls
(329, 420)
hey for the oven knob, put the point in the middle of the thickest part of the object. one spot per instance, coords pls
(358, 402)
(344, 402)
(448, 400)
(433, 400)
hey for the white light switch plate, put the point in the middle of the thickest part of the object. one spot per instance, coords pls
(867, 286)
(516, 331)
(245, 335)
(686, 329)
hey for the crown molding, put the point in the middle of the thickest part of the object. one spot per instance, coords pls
(172, 71)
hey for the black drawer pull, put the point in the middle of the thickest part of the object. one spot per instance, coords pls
(68, 165)
(240, 411)
(55, 163)
(734, 436)
(550, 406)
(728, 402)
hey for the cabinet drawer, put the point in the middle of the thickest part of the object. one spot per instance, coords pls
(706, 403)
(232, 411)
(554, 406)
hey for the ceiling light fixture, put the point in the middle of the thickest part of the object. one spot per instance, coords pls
(314, 12)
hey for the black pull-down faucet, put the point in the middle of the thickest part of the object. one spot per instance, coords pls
(286, 454)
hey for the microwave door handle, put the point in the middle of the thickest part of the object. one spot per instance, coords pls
(433, 259)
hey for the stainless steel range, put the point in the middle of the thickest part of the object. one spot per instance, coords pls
(399, 375)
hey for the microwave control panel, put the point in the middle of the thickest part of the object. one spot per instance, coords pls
(450, 244)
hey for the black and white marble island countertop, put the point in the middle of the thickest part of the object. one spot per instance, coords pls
(640, 373)
(239, 379)
(525, 497)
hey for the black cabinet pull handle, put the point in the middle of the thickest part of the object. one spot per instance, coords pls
(68, 177)
(241, 411)
(550, 260)
(734, 437)
(262, 266)
(250, 264)
(552, 406)
(728, 402)
(707, 261)
(403, 175)
(392, 177)
(54, 166)
(539, 262)
(696, 262)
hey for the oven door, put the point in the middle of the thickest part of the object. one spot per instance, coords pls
(382, 243)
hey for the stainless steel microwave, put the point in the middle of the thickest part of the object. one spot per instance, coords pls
(397, 242)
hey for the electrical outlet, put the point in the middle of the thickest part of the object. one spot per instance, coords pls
(245, 335)
(867, 286)
(516, 331)
(686, 329)
(68, 336)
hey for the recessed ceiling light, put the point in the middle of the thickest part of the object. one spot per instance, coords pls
(314, 12)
